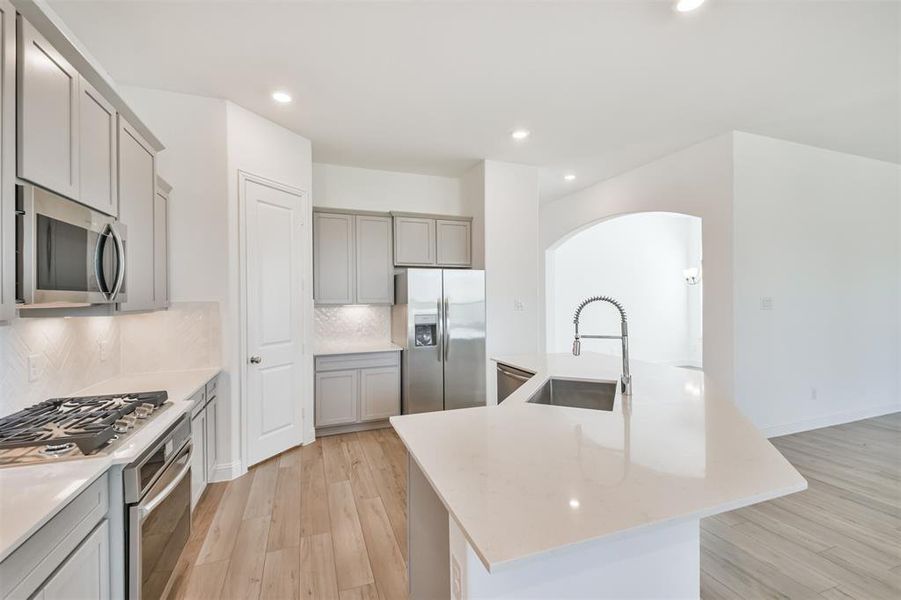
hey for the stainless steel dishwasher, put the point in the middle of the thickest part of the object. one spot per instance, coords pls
(509, 379)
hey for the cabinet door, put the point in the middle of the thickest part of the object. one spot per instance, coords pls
(210, 441)
(137, 191)
(85, 574)
(379, 393)
(454, 243)
(336, 398)
(375, 260)
(333, 258)
(7, 161)
(198, 458)
(161, 249)
(414, 241)
(48, 114)
(97, 150)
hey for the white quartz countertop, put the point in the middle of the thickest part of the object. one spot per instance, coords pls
(353, 347)
(523, 479)
(31, 495)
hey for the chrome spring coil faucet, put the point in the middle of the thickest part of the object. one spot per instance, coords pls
(626, 380)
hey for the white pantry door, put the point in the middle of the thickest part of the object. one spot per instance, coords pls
(274, 262)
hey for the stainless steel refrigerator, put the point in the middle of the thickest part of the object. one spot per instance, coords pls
(439, 320)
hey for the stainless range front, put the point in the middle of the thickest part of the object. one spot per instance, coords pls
(158, 501)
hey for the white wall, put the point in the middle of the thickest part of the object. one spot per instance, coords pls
(194, 163)
(816, 231)
(639, 260)
(695, 181)
(472, 193)
(511, 262)
(207, 142)
(338, 186)
(260, 147)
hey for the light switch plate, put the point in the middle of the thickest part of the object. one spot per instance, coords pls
(518, 305)
(766, 303)
(34, 367)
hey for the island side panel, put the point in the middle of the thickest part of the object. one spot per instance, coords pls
(428, 551)
(662, 562)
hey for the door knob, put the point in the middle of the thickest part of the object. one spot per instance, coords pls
(255, 360)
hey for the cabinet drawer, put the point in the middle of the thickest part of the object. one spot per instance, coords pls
(197, 401)
(343, 362)
(26, 569)
(211, 389)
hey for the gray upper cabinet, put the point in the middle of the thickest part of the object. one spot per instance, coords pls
(48, 99)
(375, 263)
(137, 199)
(97, 150)
(7, 161)
(414, 241)
(432, 241)
(352, 258)
(454, 241)
(161, 243)
(333, 258)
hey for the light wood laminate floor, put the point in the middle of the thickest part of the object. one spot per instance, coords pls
(329, 521)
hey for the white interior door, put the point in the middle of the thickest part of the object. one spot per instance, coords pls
(274, 337)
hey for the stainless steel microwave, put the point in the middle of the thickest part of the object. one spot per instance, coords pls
(66, 254)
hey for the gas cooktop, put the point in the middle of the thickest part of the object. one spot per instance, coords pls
(74, 426)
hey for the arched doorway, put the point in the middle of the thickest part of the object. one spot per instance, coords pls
(651, 262)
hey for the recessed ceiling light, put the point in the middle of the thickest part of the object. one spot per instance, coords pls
(688, 5)
(520, 134)
(281, 97)
(569, 176)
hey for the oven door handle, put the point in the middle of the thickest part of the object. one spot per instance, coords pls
(148, 507)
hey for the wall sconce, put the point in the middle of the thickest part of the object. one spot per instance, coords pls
(692, 275)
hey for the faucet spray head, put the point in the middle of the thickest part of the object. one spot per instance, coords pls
(577, 346)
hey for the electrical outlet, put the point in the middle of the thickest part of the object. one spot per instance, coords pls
(518, 305)
(813, 393)
(34, 367)
(457, 579)
(766, 303)
(104, 350)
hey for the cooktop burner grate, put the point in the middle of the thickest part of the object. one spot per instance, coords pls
(86, 422)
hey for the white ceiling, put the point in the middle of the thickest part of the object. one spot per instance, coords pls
(431, 87)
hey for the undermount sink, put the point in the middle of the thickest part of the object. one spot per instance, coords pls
(595, 395)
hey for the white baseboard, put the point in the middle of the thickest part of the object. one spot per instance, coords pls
(226, 471)
(838, 418)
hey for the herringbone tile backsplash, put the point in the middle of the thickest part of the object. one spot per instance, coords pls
(67, 351)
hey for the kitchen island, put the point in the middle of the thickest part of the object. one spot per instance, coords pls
(526, 500)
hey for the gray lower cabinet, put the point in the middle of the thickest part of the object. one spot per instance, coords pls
(198, 452)
(137, 196)
(355, 389)
(68, 557)
(203, 436)
(353, 259)
(432, 241)
(85, 574)
(7, 160)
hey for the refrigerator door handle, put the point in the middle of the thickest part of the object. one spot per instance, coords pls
(440, 326)
(445, 328)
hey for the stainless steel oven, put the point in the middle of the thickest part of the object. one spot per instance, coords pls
(158, 501)
(67, 254)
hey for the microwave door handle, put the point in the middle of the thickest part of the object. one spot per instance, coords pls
(120, 263)
(159, 498)
(98, 262)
